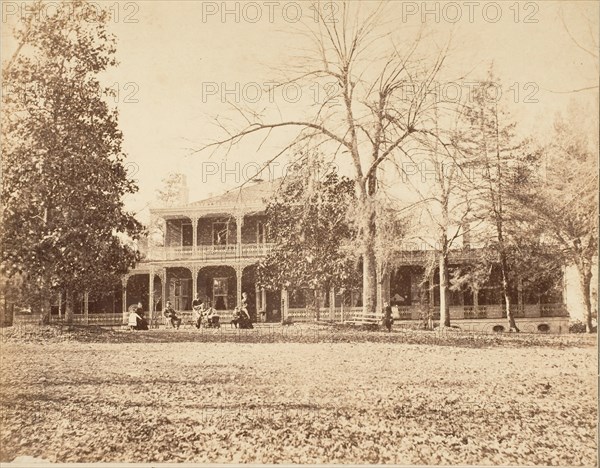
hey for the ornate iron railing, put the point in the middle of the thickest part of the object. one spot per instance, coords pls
(210, 252)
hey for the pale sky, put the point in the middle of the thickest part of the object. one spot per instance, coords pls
(170, 51)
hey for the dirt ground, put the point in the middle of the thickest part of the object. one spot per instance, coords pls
(167, 396)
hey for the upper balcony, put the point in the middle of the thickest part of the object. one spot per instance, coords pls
(211, 252)
(210, 236)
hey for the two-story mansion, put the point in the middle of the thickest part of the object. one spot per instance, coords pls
(211, 247)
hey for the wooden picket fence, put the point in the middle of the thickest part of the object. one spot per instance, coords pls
(339, 315)
(78, 319)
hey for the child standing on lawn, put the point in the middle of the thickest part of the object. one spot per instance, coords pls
(198, 308)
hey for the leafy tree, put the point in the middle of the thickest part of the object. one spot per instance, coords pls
(63, 223)
(563, 204)
(391, 229)
(532, 267)
(445, 203)
(307, 221)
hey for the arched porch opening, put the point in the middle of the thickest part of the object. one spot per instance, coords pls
(159, 303)
(138, 287)
(178, 288)
(253, 293)
(263, 305)
(217, 285)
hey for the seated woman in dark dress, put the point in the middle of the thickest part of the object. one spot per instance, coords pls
(136, 318)
(142, 323)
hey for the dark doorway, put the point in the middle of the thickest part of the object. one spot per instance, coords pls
(273, 306)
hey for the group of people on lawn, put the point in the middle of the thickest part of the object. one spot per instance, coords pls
(202, 313)
(210, 317)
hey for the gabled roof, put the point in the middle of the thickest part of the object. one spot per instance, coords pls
(247, 195)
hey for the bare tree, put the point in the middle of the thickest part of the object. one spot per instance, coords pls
(376, 100)
(495, 155)
(442, 185)
(585, 39)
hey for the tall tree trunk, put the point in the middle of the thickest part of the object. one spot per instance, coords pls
(585, 281)
(45, 293)
(444, 285)
(369, 239)
(512, 325)
(369, 264)
(380, 285)
(46, 308)
(70, 306)
(369, 279)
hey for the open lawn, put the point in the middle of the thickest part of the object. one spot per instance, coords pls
(299, 395)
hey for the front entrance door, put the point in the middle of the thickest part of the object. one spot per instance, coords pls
(220, 292)
(180, 293)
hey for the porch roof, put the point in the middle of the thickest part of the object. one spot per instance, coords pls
(245, 199)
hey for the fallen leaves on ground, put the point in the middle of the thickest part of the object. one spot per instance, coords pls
(91, 395)
(299, 333)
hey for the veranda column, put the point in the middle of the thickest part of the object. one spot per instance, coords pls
(194, 281)
(194, 237)
(239, 220)
(151, 295)
(86, 307)
(257, 303)
(162, 274)
(431, 299)
(163, 283)
(238, 289)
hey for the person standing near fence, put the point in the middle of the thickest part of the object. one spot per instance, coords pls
(244, 304)
(245, 321)
(387, 316)
(198, 308)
